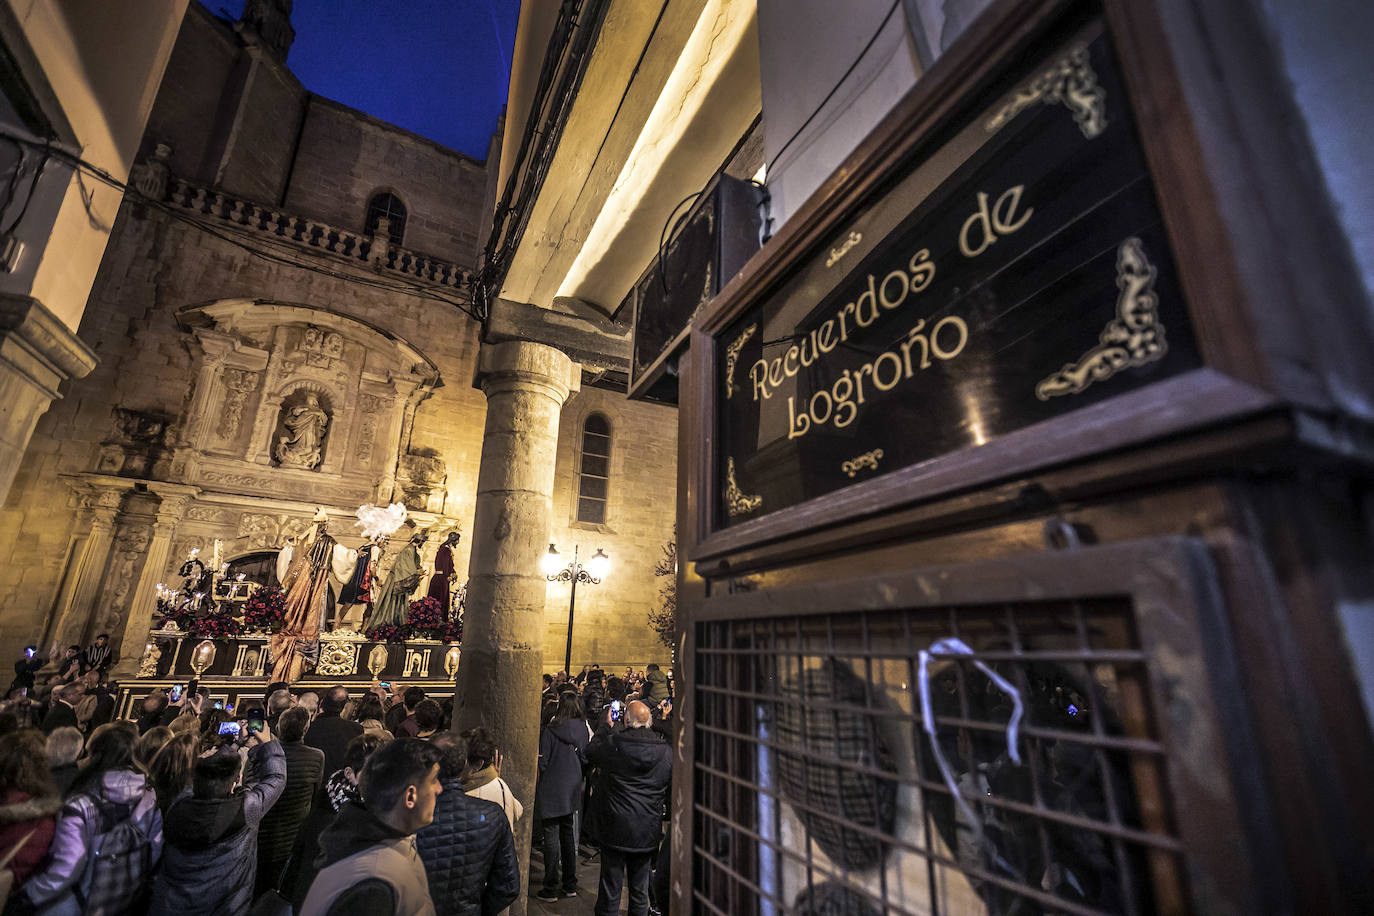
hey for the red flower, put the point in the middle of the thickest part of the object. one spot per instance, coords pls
(389, 632)
(265, 609)
(220, 624)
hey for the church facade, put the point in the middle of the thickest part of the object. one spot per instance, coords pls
(282, 323)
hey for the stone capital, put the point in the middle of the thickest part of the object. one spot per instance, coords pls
(520, 364)
(37, 341)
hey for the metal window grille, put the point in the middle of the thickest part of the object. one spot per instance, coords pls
(389, 206)
(593, 483)
(817, 790)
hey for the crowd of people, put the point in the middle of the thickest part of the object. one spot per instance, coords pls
(318, 802)
(605, 760)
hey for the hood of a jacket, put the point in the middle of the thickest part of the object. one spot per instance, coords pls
(479, 778)
(19, 807)
(199, 823)
(353, 830)
(641, 748)
(568, 731)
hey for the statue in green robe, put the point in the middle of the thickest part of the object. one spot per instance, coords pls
(394, 601)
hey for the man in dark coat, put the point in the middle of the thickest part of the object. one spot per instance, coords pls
(330, 732)
(635, 765)
(63, 711)
(210, 836)
(468, 851)
(304, 774)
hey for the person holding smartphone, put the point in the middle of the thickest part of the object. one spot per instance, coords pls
(210, 836)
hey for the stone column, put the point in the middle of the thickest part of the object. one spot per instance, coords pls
(503, 640)
(37, 353)
(129, 642)
(101, 498)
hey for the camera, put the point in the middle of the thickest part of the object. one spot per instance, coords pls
(228, 728)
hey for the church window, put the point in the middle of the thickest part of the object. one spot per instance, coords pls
(594, 479)
(388, 205)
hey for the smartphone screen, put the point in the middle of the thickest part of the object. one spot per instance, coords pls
(228, 728)
(616, 707)
(385, 684)
(176, 692)
(255, 726)
(219, 704)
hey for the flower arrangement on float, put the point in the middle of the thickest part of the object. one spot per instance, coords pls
(216, 625)
(388, 632)
(425, 614)
(265, 610)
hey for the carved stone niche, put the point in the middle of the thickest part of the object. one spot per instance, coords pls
(137, 442)
(420, 479)
(298, 403)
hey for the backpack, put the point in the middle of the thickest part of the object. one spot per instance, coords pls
(121, 861)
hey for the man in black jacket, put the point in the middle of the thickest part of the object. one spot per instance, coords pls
(277, 832)
(330, 732)
(63, 711)
(468, 851)
(626, 814)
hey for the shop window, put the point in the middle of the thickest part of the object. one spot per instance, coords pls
(593, 481)
(387, 205)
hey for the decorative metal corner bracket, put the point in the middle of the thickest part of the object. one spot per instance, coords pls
(1133, 338)
(1068, 81)
(736, 502)
(732, 355)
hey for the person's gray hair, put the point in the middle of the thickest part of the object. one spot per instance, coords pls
(637, 715)
(279, 701)
(310, 702)
(64, 746)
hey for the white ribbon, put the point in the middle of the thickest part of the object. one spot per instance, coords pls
(953, 646)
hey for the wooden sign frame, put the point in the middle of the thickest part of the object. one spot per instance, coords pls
(1241, 273)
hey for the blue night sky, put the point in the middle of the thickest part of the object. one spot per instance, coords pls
(439, 68)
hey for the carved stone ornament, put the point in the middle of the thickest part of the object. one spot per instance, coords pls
(147, 665)
(263, 531)
(1133, 338)
(150, 176)
(238, 384)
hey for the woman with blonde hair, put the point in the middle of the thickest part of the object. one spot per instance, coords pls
(148, 744)
(172, 766)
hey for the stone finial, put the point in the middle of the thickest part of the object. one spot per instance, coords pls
(270, 21)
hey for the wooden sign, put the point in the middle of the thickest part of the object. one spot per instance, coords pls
(1015, 273)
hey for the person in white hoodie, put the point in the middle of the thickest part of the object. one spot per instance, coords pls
(106, 792)
(483, 779)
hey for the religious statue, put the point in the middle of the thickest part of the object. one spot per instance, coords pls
(394, 601)
(358, 572)
(443, 571)
(306, 582)
(302, 444)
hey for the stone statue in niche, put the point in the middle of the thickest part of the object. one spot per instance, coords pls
(301, 442)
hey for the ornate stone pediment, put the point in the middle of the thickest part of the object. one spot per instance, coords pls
(293, 401)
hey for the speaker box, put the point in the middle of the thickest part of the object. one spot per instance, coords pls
(709, 246)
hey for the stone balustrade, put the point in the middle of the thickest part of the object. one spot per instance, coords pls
(313, 234)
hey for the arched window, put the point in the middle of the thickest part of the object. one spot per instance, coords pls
(594, 480)
(386, 205)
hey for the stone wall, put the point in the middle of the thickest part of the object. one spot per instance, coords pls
(611, 624)
(346, 157)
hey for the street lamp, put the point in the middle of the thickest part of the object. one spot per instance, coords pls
(574, 572)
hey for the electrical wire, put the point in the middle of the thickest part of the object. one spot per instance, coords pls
(836, 88)
(190, 218)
